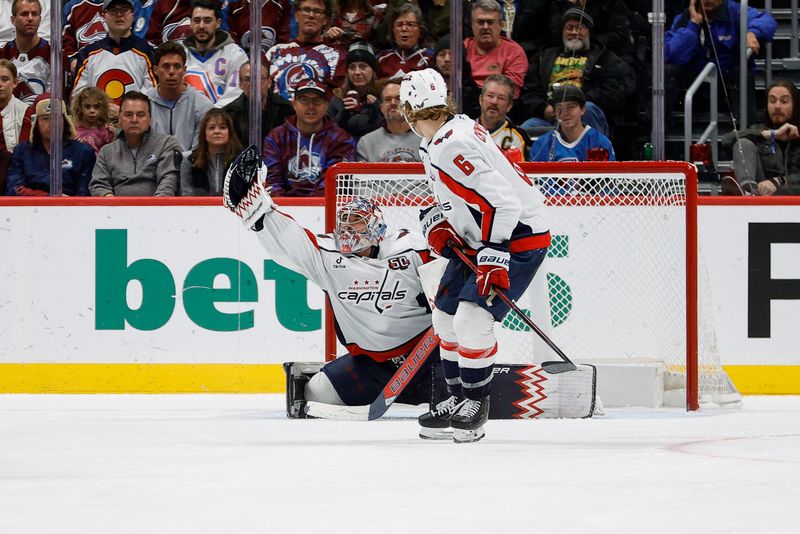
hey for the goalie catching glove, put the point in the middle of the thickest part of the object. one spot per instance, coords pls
(243, 190)
(492, 266)
(439, 232)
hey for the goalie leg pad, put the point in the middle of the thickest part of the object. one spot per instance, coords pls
(320, 389)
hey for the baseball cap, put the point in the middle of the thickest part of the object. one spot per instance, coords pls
(107, 3)
(309, 85)
(566, 93)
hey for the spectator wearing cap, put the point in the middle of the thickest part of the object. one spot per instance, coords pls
(394, 142)
(497, 98)
(29, 174)
(355, 105)
(274, 108)
(605, 79)
(406, 31)
(140, 162)
(308, 56)
(119, 62)
(488, 53)
(298, 152)
(572, 139)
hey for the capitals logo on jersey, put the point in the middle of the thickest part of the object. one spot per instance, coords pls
(305, 167)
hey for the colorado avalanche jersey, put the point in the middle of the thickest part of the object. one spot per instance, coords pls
(83, 22)
(215, 71)
(378, 303)
(275, 16)
(291, 62)
(33, 69)
(115, 67)
(484, 196)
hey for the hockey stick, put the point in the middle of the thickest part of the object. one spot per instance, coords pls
(404, 374)
(550, 367)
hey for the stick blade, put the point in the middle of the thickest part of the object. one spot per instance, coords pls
(555, 368)
(380, 406)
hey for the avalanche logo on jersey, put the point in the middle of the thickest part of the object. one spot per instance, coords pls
(115, 82)
(289, 64)
(92, 31)
(177, 31)
(268, 38)
(305, 166)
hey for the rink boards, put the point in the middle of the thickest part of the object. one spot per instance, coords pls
(174, 296)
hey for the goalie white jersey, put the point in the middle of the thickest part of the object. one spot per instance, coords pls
(484, 196)
(378, 303)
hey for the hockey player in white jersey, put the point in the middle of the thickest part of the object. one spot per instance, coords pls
(369, 274)
(487, 207)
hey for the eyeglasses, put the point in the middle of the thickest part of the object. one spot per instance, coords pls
(487, 22)
(308, 11)
(306, 101)
(406, 24)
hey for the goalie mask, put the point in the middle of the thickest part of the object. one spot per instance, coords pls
(359, 225)
(419, 90)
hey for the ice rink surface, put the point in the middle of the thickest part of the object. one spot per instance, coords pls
(235, 464)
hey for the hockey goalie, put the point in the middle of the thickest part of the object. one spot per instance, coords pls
(372, 275)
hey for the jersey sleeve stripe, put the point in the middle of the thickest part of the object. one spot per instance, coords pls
(472, 197)
(311, 237)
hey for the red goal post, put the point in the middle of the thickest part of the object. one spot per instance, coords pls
(625, 244)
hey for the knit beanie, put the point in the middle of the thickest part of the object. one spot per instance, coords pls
(362, 52)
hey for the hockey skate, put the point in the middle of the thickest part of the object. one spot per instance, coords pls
(436, 423)
(468, 421)
(243, 192)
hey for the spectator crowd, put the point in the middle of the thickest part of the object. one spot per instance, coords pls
(158, 93)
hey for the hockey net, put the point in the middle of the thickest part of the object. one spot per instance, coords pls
(623, 281)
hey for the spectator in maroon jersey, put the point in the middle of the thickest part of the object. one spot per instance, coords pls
(170, 21)
(407, 32)
(298, 152)
(29, 52)
(275, 20)
(355, 105)
(308, 56)
(353, 20)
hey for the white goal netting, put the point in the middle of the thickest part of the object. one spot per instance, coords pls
(613, 287)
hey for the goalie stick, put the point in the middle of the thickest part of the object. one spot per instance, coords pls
(550, 367)
(404, 374)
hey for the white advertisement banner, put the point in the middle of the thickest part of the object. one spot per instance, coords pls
(160, 284)
(150, 284)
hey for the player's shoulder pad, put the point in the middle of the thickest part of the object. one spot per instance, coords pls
(402, 240)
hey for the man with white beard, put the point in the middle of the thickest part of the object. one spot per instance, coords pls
(605, 79)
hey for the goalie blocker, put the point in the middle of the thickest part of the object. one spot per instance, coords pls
(518, 392)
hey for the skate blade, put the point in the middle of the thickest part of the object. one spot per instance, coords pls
(436, 433)
(468, 436)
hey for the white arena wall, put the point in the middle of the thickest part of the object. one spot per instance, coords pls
(140, 295)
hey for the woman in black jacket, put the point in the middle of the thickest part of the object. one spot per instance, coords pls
(203, 172)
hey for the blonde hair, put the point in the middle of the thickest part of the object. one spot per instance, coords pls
(90, 93)
(427, 114)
